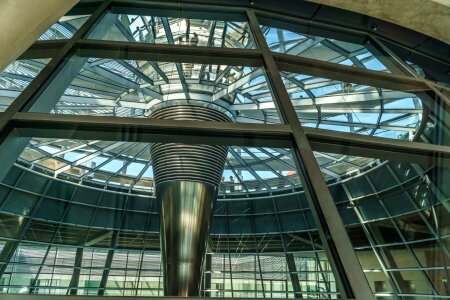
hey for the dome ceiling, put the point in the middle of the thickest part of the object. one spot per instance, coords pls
(133, 88)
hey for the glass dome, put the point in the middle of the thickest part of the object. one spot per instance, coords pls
(333, 185)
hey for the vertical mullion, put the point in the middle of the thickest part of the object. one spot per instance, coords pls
(440, 101)
(11, 246)
(50, 70)
(348, 273)
(394, 280)
(401, 235)
(111, 252)
(229, 251)
(74, 281)
(258, 260)
(109, 259)
(33, 289)
(437, 236)
(10, 141)
(207, 276)
(91, 223)
(144, 242)
(288, 256)
(327, 281)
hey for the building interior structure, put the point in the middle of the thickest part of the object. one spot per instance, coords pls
(238, 149)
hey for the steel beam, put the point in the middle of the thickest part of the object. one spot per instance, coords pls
(364, 100)
(151, 130)
(237, 84)
(207, 11)
(179, 67)
(48, 97)
(438, 102)
(213, 133)
(349, 276)
(73, 285)
(385, 149)
(9, 143)
(43, 49)
(376, 147)
(108, 262)
(50, 70)
(308, 66)
(169, 53)
(252, 58)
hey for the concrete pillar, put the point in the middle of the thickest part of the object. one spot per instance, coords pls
(23, 21)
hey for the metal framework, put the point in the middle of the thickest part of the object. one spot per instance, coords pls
(267, 68)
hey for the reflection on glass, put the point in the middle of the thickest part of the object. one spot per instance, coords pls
(354, 108)
(179, 31)
(401, 228)
(80, 216)
(263, 247)
(65, 28)
(130, 88)
(436, 128)
(16, 77)
(128, 166)
(322, 48)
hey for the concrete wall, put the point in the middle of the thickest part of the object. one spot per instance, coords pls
(23, 21)
(430, 17)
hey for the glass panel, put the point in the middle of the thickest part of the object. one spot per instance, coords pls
(430, 253)
(126, 165)
(398, 244)
(351, 52)
(436, 128)
(142, 89)
(16, 77)
(379, 283)
(420, 65)
(65, 28)
(413, 282)
(166, 29)
(11, 226)
(348, 107)
(263, 239)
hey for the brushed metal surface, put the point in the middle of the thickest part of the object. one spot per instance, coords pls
(187, 179)
(202, 163)
(186, 210)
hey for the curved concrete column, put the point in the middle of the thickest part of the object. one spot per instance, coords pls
(23, 21)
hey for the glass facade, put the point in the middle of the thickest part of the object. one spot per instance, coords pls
(16, 77)
(168, 29)
(65, 28)
(336, 156)
(323, 48)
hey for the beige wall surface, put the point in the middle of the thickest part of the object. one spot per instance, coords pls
(430, 17)
(23, 21)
